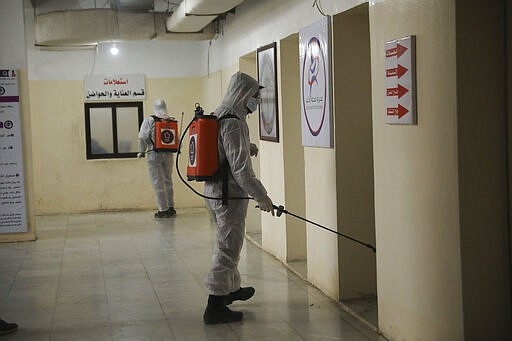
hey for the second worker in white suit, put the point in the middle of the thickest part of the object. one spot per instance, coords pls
(159, 163)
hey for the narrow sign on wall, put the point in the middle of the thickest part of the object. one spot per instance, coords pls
(13, 216)
(315, 75)
(400, 66)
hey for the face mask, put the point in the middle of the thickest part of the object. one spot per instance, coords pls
(252, 104)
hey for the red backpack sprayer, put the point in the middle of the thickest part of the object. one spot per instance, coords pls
(204, 164)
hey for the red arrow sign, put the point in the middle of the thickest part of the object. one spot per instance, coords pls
(391, 72)
(400, 111)
(399, 91)
(391, 52)
(392, 111)
(402, 90)
(392, 92)
(400, 50)
(400, 71)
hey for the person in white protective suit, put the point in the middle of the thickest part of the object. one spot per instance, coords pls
(159, 163)
(223, 278)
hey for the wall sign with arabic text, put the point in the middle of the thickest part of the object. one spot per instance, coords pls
(114, 88)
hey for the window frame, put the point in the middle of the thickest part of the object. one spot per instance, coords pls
(113, 105)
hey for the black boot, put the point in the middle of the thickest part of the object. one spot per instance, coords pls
(161, 214)
(217, 312)
(6, 328)
(171, 212)
(242, 294)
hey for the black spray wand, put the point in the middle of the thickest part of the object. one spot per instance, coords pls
(280, 210)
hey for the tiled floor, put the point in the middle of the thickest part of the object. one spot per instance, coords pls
(126, 276)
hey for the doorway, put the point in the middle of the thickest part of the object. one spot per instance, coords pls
(354, 162)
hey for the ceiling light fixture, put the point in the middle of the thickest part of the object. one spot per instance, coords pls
(114, 50)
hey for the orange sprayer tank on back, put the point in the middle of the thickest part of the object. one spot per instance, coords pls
(203, 152)
(166, 135)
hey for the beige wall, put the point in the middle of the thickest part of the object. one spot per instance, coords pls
(65, 182)
(293, 152)
(354, 152)
(321, 207)
(416, 179)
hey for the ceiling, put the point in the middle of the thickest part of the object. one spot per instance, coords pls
(123, 5)
(86, 22)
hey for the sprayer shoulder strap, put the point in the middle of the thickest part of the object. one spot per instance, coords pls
(225, 164)
(225, 168)
(160, 119)
(153, 125)
(228, 116)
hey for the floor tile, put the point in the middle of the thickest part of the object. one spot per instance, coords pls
(128, 276)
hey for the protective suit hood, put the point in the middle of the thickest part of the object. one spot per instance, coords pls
(241, 87)
(160, 108)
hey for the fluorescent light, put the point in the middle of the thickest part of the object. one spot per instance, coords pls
(114, 50)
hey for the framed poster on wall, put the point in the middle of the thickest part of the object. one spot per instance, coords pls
(315, 81)
(267, 77)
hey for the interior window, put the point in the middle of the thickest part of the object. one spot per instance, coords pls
(112, 129)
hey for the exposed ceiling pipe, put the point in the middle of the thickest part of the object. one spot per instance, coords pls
(130, 20)
(92, 26)
(132, 5)
(194, 15)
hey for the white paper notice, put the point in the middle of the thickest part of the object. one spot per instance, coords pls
(13, 217)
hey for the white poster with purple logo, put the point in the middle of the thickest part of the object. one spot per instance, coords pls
(315, 76)
(13, 217)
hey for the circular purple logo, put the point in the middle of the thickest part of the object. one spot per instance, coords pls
(167, 136)
(314, 86)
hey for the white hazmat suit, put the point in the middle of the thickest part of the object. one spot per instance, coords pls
(159, 163)
(234, 146)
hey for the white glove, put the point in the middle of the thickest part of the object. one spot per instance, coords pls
(253, 149)
(266, 205)
(140, 155)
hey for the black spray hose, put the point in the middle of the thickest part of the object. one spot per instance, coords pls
(280, 210)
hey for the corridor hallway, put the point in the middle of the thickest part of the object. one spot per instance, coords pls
(126, 276)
